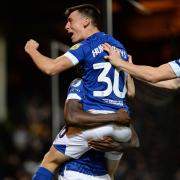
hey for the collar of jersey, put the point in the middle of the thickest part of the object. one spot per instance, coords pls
(96, 35)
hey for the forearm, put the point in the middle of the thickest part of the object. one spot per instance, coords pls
(171, 84)
(44, 63)
(134, 142)
(147, 73)
(124, 147)
(48, 65)
(75, 116)
(130, 87)
(88, 120)
(141, 72)
(108, 144)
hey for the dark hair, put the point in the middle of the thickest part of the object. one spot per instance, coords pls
(88, 10)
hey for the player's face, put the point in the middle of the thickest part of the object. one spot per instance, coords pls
(75, 26)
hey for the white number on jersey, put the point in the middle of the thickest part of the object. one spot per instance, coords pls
(111, 87)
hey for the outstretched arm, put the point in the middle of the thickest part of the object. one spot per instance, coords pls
(47, 65)
(171, 84)
(142, 72)
(75, 116)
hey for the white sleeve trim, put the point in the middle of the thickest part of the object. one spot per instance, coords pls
(73, 96)
(175, 67)
(71, 57)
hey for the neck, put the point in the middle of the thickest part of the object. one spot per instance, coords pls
(91, 31)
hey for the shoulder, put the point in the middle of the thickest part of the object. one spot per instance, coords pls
(76, 46)
(116, 43)
(75, 90)
(80, 47)
(175, 61)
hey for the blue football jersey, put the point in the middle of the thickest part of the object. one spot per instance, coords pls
(75, 90)
(92, 162)
(175, 65)
(104, 85)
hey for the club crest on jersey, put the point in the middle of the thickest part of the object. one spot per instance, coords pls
(76, 82)
(76, 46)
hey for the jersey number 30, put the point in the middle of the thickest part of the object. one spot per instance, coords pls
(111, 87)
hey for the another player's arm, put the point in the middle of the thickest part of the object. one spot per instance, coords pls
(134, 142)
(77, 117)
(130, 85)
(108, 144)
(47, 65)
(171, 84)
(142, 72)
(148, 73)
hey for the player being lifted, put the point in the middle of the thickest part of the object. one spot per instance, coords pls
(105, 86)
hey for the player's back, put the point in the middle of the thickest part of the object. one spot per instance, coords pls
(105, 86)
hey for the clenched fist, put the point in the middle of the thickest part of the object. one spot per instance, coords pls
(31, 45)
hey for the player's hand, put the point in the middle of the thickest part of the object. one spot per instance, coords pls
(31, 45)
(113, 54)
(105, 144)
(123, 117)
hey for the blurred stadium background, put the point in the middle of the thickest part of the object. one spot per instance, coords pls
(150, 31)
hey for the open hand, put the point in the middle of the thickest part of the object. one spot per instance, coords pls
(113, 53)
(107, 144)
(104, 144)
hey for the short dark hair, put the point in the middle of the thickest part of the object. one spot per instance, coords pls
(88, 10)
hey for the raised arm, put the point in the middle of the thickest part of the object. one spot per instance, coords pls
(47, 65)
(75, 116)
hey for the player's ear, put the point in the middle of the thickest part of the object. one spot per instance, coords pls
(86, 21)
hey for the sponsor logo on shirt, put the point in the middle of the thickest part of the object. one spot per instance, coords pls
(76, 46)
(76, 82)
(114, 102)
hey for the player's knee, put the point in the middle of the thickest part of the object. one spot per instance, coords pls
(51, 156)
